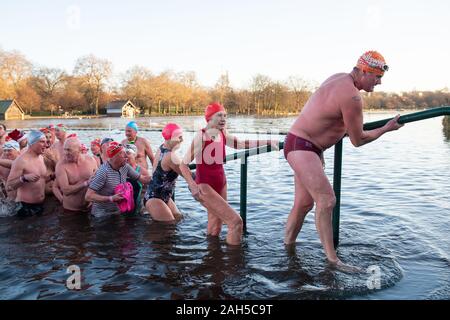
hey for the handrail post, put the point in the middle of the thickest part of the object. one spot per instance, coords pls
(337, 191)
(243, 202)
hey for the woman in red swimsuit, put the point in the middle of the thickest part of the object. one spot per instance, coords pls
(210, 184)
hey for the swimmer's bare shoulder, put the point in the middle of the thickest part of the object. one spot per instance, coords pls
(18, 167)
(21, 160)
(346, 91)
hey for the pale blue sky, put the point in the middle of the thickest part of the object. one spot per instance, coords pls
(312, 39)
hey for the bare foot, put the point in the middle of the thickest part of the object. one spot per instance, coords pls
(346, 268)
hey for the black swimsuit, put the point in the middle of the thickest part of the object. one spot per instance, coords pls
(30, 209)
(163, 182)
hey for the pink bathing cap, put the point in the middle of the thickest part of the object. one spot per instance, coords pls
(170, 129)
(212, 109)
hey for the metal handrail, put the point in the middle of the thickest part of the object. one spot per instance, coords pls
(416, 116)
(338, 150)
(243, 155)
(337, 176)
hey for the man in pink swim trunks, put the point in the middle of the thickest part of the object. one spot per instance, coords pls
(333, 111)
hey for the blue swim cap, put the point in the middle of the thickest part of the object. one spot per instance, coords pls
(11, 145)
(34, 136)
(133, 125)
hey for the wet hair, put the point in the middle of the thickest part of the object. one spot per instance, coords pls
(3, 126)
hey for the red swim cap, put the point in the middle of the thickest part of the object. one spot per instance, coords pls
(212, 109)
(113, 149)
(72, 135)
(170, 130)
(96, 142)
(16, 134)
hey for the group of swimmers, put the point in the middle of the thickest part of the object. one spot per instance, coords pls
(50, 161)
(335, 110)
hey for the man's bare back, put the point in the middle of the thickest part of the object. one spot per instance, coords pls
(321, 120)
(334, 110)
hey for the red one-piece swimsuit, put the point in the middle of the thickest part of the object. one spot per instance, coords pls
(210, 166)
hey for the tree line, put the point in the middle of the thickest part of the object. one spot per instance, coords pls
(87, 89)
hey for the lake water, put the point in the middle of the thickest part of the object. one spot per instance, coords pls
(395, 221)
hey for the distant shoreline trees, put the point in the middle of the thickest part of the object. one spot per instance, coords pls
(50, 91)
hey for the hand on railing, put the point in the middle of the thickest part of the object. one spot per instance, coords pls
(393, 124)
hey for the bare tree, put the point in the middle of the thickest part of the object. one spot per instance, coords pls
(14, 67)
(95, 72)
(301, 89)
(135, 86)
(222, 88)
(46, 81)
(258, 86)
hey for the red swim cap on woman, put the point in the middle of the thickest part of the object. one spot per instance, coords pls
(170, 129)
(212, 109)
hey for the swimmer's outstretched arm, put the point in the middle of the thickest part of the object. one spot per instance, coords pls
(353, 119)
(236, 143)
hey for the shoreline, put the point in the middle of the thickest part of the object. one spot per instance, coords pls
(380, 111)
(64, 117)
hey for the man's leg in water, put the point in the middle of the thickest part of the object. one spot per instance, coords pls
(303, 203)
(221, 210)
(309, 170)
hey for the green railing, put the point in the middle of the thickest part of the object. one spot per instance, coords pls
(337, 175)
(244, 155)
(412, 117)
